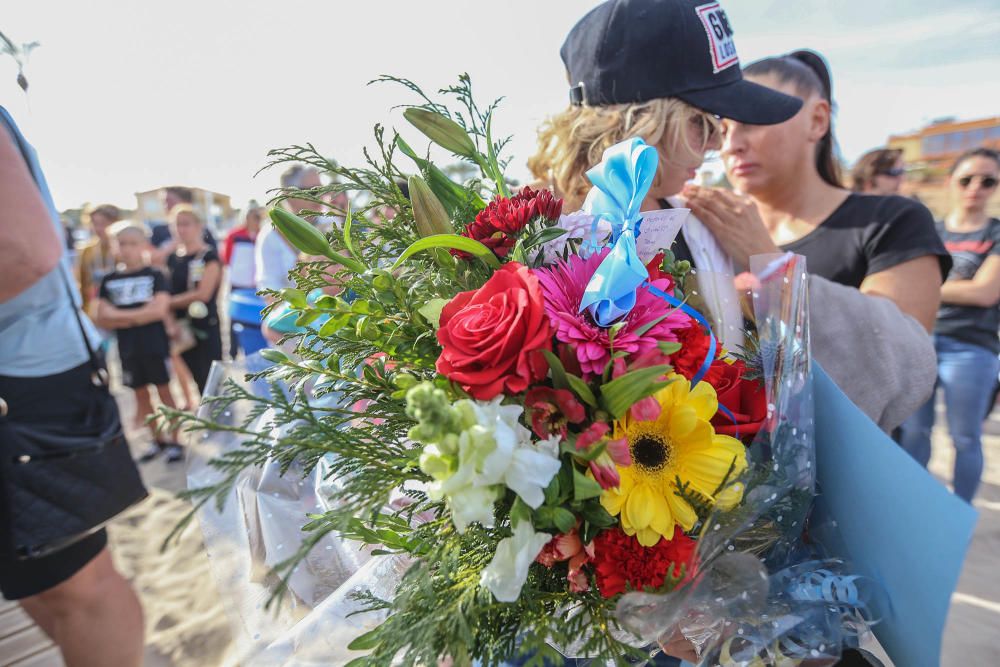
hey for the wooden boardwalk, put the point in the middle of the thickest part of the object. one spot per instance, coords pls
(22, 643)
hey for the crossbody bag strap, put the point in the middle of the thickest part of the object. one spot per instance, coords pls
(98, 374)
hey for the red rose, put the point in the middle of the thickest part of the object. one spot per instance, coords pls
(744, 399)
(619, 560)
(552, 411)
(492, 337)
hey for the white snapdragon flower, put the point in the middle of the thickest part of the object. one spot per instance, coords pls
(507, 572)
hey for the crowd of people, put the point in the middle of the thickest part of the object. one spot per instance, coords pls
(156, 294)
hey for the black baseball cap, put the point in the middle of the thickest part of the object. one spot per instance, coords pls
(626, 51)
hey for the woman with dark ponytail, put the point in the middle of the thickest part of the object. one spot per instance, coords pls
(876, 263)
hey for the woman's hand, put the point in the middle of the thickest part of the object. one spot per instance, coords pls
(677, 645)
(734, 221)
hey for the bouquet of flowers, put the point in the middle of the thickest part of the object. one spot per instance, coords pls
(521, 408)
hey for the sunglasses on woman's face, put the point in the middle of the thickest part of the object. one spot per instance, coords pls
(895, 172)
(988, 182)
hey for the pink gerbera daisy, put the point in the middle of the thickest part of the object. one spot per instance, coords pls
(563, 285)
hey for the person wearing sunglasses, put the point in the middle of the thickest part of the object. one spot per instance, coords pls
(965, 335)
(879, 172)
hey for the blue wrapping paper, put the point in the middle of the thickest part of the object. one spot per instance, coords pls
(895, 523)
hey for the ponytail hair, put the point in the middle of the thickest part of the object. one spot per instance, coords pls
(807, 71)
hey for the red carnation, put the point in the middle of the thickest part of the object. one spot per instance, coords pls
(688, 360)
(497, 225)
(620, 560)
(552, 411)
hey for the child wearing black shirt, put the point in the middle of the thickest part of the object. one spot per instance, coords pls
(134, 301)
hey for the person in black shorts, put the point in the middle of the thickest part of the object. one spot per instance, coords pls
(195, 275)
(134, 302)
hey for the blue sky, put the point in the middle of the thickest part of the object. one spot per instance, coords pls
(130, 96)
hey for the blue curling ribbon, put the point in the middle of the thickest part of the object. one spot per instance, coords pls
(700, 319)
(621, 182)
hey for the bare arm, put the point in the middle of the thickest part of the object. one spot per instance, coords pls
(914, 286)
(111, 317)
(982, 290)
(29, 245)
(205, 289)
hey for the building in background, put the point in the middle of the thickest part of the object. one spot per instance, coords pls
(930, 152)
(214, 208)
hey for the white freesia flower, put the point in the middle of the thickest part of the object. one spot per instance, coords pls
(471, 469)
(516, 462)
(507, 572)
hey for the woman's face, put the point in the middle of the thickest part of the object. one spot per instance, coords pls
(758, 158)
(974, 181)
(188, 229)
(889, 183)
(680, 157)
(100, 223)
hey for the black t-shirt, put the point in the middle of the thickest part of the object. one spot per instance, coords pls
(867, 234)
(969, 250)
(186, 272)
(160, 234)
(134, 289)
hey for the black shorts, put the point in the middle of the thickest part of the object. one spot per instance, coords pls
(144, 369)
(23, 578)
(58, 398)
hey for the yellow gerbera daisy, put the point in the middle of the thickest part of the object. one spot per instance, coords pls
(680, 444)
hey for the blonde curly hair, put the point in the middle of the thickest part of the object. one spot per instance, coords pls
(574, 140)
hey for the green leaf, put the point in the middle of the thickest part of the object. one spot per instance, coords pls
(306, 318)
(551, 493)
(454, 241)
(273, 355)
(544, 236)
(365, 642)
(594, 513)
(563, 519)
(431, 311)
(620, 394)
(295, 297)
(668, 347)
(641, 331)
(348, 243)
(582, 389)
(519, 511)
(559, 377)
(585, 487)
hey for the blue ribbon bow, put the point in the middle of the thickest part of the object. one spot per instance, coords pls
(621, 182)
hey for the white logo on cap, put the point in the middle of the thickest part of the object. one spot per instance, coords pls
(720, 36)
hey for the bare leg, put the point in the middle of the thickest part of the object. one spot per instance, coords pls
(94, 617)
(143, 406)
(185, 379)
(167, 398)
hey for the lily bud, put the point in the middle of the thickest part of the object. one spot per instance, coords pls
(428, 213)
(442, 130)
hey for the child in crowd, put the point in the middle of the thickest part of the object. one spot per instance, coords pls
(135, 302)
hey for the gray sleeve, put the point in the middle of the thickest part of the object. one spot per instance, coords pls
(883, 359)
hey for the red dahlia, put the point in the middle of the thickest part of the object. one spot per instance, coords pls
(497, 225)
(620, 560)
